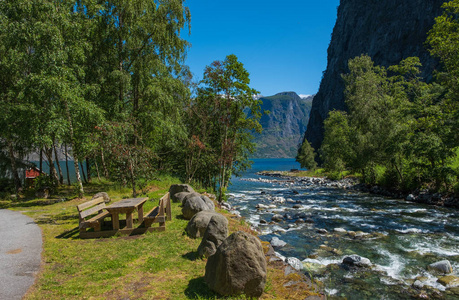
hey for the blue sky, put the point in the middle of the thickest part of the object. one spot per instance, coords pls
(283, 44)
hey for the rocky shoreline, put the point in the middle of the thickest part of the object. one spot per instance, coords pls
(417, 196)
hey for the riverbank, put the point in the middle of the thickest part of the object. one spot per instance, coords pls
(417, 196)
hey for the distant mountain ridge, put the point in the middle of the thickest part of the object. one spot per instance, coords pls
(284, 127)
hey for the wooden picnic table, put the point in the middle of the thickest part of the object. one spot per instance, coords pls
(159, 214)
(126, 206)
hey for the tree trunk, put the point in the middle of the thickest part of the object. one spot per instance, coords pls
(52, 168)
(103, 163)
(134, 193)
(72, 144)
(97, 168)
(17, 180)
(88, 169)
(82, 172)
(61, 177)
(67, 164)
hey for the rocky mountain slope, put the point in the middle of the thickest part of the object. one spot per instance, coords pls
(386, 30)
(284, 127)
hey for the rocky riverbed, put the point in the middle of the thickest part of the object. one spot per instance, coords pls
(358, 245)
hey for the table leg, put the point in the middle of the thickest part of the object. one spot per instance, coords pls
(140, 213)
(115, 221)
(129, 223)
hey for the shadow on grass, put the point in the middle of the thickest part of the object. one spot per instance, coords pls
(191, 256)
(181, 217)
(198, 289)
(69, 234)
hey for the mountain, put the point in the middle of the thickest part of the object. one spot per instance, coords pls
(387, 30)
(284, 127)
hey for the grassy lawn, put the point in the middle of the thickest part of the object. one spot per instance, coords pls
(158, 265)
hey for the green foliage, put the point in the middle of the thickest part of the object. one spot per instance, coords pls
(45, 182)
(307, 156)
(70, 67)
(399, 131)
(221, 120)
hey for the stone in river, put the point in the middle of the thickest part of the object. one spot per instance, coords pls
(356, 260)
(297, 206)
(322, 231)
(449, 281)
(339, 230)
(443, 267)
(418, 284)
(277, 243)
(277, 218)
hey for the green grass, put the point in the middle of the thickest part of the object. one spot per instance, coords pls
(158, 265)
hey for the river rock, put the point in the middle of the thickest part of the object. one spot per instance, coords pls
(295, 263)
(178, 188)
(277, 243)
(262, 206)
(418, 284)
(238, 267)
(442, 267)
(339, 230)
(194, 203)
(449, 281)
(216, 233)
(103, 195)
(297, 206)
(277, 218)
(356, 260)
(322, 231)
(198, 223)
(410, 197)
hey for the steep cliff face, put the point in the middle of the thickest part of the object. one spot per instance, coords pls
(387, 30)
(283, 128)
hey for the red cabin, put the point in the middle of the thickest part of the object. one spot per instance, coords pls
(31, 174)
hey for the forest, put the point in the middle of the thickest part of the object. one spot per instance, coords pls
(399, 131)
(107, 82)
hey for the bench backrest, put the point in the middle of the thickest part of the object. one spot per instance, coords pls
(91, 207)
(165, 206)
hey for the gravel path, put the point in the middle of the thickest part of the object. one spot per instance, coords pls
(20, 253)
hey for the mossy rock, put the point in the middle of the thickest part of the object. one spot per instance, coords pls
(449, 281)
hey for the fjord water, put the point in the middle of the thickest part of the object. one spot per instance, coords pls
(400, 238)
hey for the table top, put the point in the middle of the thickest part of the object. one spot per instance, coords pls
(127, 204)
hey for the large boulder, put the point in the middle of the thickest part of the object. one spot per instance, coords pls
(238, 267)
(179, 188)
(198, 223)
(441, 267)
(180, 197)
(103, 195)
(357, 261)
(216, 233)
(194, 203)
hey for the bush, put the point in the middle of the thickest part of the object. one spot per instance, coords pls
(44, 181)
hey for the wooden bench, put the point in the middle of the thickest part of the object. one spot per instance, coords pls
(87, 210)
(159, 214)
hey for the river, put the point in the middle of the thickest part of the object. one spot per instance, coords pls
(400, 238)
